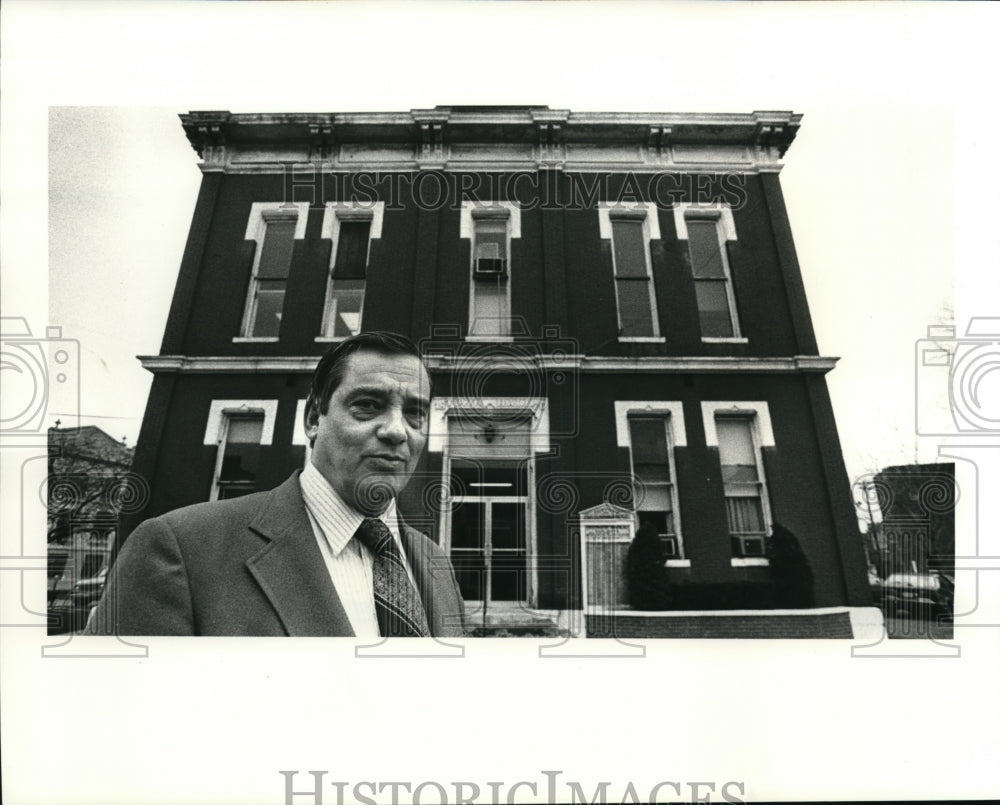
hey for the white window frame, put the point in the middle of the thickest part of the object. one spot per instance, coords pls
(672, 411)
(725, 228)
(759, 417)
(299, 431)
(333, 213)
(633, 210)
(217, 428)
(467, 231)
(261, 212)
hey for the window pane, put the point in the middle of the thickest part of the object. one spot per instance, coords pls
(739, 473)
(634, 308)
(713, 309)
(630, 249)
(245, 430)
(240, 463)
(662, 521)
(706, 254)
(352, 250)
(654, 497)
(490, 316)
(648, 437)
(276, 251)
(491, 239)
(270, 298)
(745, 515)
(346, 300)
(735, 441)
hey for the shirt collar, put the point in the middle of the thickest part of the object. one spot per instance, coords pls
(335, 518)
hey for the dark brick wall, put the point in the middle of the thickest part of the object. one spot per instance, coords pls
(418, 271)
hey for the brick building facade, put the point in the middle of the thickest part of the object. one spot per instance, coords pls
(612, 312)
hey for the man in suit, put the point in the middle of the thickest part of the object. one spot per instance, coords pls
(325, 553)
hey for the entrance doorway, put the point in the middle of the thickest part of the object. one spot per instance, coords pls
(489, 529)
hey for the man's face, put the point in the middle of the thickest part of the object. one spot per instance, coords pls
(369, 440)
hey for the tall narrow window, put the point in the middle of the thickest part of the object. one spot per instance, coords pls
(654, 489)
(710, 269)
(270, 275)
(346, 289)
(239, 455)
(490, 314)
(743, 485)
(633, 281)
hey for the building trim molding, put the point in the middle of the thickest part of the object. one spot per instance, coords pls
(237, 364)
(478, 137)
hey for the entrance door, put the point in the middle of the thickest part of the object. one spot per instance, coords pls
(489, 531)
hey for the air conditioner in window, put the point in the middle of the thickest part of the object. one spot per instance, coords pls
(750, 546)
(489, 268)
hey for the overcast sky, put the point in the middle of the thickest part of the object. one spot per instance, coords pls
(891, 188)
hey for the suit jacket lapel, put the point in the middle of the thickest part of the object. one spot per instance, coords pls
(434, 583)
(290, 568)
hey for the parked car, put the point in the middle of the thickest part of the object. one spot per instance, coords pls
(921, 595)
(69, 612)
(88, 591)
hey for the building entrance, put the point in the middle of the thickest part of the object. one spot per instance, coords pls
(489, 539)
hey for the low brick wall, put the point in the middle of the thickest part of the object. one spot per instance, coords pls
(728, 625)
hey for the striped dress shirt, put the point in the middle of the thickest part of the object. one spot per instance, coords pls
(348, 562)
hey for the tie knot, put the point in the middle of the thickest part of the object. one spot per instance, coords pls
(374, 534)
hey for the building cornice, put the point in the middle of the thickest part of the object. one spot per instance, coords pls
(478, 138)
(503, 363)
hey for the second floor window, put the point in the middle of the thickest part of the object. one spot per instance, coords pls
(345, 294)
(712, 281)
(637, 316)
(490, 304)
(274, 228)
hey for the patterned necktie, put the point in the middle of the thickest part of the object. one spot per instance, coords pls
(397, 605)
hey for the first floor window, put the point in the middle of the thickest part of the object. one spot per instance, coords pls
(654, 491)
(743, 485)
(238, 462)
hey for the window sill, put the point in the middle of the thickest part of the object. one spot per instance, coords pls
(642, 339)
(678, 563)
(246, 340)
(499, 339)
(708, 340)
(329, 339)
(750, 561)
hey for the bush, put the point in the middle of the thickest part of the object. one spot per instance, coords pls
(790, 571)
(648, 586)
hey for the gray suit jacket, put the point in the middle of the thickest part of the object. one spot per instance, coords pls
(249, 567)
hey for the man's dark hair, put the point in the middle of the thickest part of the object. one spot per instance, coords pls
(330, 371)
